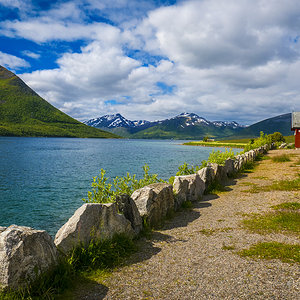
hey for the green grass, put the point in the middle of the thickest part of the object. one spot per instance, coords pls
(216, 144)
(281, 185)
(278, 222)
(287, 206)
(236, 141)
(207, 232)
(273, 250)
(84, 262)
(216, 188)
(281, 158)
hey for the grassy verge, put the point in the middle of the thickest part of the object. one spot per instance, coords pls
(273, 250)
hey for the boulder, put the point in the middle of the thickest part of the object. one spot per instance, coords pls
(92, 221)
(24, 254)
(229, 166)
(207, 175)
(220, 172)
(154, 202)
(188, 187)
(128, 208)
(283, 145)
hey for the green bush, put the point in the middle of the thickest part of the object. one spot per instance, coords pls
(261, 141)
(105, 192)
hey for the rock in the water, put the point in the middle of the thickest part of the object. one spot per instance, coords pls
(188, 188)
(154, 202)
(91, 221)
(24, 254)
(128, 208)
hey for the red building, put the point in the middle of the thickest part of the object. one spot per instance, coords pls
(296, 128)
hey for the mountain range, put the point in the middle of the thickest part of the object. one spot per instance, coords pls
(182, 126)
(189, 126)
(24, 113)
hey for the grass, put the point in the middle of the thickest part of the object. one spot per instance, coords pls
(281, 185)
(228, 247)
(207, 232)
(273, 250)
(287, 206)
(216, 144)
(281, 158)
(278, 222)
(102, 256)
(216, 188)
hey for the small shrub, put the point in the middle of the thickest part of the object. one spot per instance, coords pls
(219, 157)
(185, 169)
(105, 192)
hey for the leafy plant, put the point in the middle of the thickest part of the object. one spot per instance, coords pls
(105, 192)
(185, 169)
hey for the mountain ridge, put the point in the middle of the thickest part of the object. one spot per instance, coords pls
(24, 113)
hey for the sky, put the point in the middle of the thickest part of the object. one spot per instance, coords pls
(153, 59)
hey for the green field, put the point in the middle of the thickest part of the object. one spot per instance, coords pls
(235, 143)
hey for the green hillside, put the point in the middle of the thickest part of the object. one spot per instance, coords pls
(24, 113)
(281, 123)
(177, 129)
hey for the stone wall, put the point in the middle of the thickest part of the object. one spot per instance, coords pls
(23, 249)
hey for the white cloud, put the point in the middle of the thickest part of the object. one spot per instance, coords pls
(31, 54)
(227, 60)
(12, 62)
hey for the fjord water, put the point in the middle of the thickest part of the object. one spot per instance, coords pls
(43, 180)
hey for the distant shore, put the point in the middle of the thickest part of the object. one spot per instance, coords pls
(215, 144)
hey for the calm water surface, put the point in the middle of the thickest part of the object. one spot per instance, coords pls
(43, 180)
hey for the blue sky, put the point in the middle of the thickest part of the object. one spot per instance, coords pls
(222, 59)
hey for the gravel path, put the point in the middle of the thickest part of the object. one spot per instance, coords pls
(190, 259)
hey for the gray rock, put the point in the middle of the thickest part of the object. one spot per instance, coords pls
(283, 145)
(92, 221)
(129, 209)
(154, 202)
(188, 188)
(229, 166)
(207, 175)
(24, 254)
(220, 172)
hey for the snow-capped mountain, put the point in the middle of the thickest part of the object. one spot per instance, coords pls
(185, 119)
(232, 124)
(114, 121)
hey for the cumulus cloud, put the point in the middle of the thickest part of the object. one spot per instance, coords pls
(224, 59)
(12, 62)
